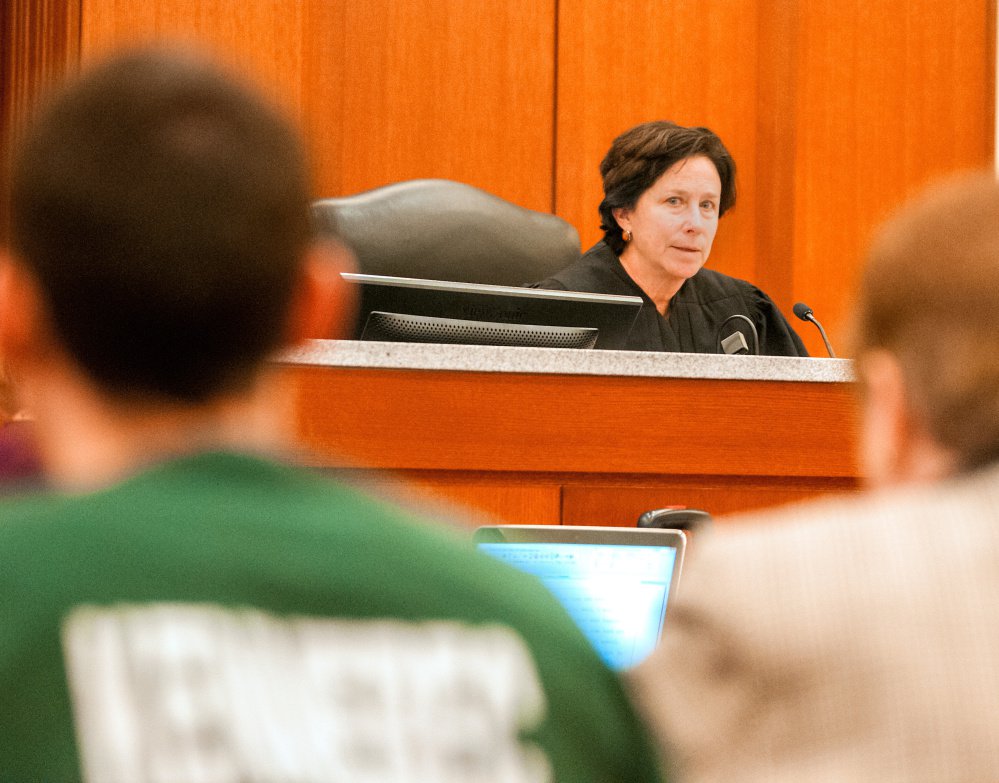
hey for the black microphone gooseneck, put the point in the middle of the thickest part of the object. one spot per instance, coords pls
(723, 348)
(804, 312)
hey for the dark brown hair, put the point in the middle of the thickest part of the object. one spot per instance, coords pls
(639, 156)
(163, 209)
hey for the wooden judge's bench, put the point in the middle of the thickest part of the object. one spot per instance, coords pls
(561, 436)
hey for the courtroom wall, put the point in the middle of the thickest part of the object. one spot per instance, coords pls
(834, 111)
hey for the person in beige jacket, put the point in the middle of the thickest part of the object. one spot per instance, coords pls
(857, 639)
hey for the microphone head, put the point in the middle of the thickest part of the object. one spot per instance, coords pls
(802, 311)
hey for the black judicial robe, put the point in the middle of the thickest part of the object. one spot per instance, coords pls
(695, 313)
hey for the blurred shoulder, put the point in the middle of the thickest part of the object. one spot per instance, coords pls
(852, 541)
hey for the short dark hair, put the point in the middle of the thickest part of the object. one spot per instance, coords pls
(164, 210)
(640, 155)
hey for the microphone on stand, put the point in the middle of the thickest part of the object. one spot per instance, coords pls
(804, 312)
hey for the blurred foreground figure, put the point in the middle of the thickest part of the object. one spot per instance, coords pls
(856, 640)
(187, 605)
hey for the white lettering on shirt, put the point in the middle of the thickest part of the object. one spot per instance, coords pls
(172, 693)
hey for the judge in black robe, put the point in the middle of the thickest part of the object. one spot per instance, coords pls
(695, 313)
(665, 189)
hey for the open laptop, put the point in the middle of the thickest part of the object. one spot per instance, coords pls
(615, 582)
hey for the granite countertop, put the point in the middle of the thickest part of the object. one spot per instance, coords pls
(567, 361)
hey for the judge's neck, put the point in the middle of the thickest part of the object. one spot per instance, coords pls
(659, 286)
(88, 441)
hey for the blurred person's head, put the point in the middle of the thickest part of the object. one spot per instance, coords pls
(161, 211)
(927, 336)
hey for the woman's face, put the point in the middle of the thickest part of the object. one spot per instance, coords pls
(673, 223)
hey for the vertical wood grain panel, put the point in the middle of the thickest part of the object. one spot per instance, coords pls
(621, 64)
(834, 112)
(39, 45)
(385, 91)
(890, 96)
(460, 89)
(776, 133)
(262, 39)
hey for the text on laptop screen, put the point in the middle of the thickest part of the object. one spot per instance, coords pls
(617, 594)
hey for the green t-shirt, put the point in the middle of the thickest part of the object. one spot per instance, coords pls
(221, 617)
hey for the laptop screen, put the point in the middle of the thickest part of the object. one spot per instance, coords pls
(614, 582)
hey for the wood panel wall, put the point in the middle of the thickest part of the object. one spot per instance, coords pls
(834, 111)
(459, 89)
(617, 69)
(888, 95)
(260, 39)
(384, 90)
(39, 44)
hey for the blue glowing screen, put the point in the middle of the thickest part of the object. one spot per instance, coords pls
(616, 593)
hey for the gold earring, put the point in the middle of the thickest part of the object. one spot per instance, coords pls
(626, 234)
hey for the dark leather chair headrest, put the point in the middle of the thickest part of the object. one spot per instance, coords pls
(437, 229)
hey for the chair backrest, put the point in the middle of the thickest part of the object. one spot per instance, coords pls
(435, 229)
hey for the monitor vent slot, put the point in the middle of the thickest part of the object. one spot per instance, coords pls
(395, 327)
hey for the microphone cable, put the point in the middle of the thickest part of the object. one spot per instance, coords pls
(752, 328)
